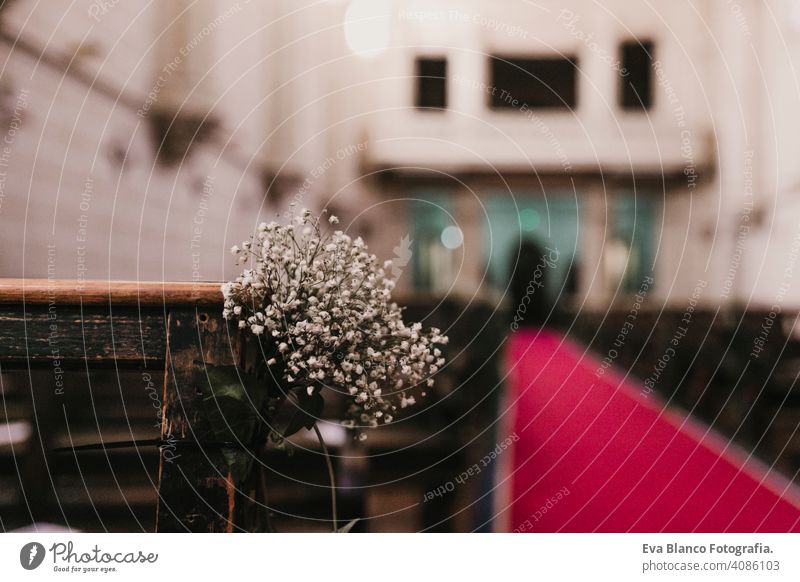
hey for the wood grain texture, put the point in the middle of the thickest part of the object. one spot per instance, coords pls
(196, 492)
(142, 293)
(69, 334)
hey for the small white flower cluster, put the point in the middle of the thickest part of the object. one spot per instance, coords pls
(325, 302)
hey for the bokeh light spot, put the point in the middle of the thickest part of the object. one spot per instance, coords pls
(452, 237)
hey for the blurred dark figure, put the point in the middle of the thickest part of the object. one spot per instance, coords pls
(531, 305)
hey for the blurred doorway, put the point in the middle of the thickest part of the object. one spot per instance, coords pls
(552, 222)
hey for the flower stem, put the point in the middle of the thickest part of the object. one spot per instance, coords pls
(263, 483)
(330, 475)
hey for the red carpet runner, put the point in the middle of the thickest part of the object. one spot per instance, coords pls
(596, 452)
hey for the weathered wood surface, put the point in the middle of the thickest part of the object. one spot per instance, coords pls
(196, 492)
(70, 334)
(179, 327)
(142, 293)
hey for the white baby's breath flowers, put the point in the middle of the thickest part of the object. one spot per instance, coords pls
(325, 302)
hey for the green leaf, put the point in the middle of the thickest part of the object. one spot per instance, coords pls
(347, 527)
(232, 403)
(298, 410)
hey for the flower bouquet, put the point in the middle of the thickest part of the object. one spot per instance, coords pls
(321, 307)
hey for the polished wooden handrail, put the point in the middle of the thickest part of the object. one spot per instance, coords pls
(73, 292)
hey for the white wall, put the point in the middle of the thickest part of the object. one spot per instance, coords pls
(82, 173)
(295, 103)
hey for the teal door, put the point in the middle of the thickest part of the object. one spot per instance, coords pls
(552, 221)
(633, 232)
(431, 213)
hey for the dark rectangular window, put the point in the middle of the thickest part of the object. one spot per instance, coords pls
(431, 83)
(637, 75)
(536, 83)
